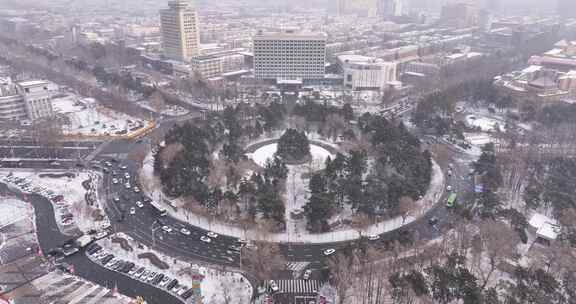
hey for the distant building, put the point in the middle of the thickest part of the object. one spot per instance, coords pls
(390, 8)
(460, 14)
(214, 65)
(359, 7)
(289, 56)
(367, 73)
(179, 28)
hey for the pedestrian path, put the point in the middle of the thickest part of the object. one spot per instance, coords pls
(297, 266)
(64, 288)
(296, 286)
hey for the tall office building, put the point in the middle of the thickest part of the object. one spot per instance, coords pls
(289, 56)
(460, 13)
(390, 8)
(180, 36)
(367, 8)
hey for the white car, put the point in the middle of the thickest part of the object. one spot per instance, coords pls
(212, 234)
(114, 181)
(449, 188)
(205, 239)
(127, 175)
(328, 252)
(136, 189)
(127, 186)
(307, 274)
(185, 231)
(273, 286)
(132, 210)
(373, 237)
(139, 204)
(123, 167)
(167, 228)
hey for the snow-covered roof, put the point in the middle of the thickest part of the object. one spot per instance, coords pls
(546, 227)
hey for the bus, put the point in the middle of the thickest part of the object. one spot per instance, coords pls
(451, 201)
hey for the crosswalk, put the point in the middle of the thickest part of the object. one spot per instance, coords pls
(68, 289)
(296, 286)
(297, 266)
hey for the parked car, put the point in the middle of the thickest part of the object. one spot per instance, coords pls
(273, 286)
(205, 239)
(329, 251)
(185, 231)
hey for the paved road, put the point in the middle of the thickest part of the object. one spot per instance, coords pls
(49, 237)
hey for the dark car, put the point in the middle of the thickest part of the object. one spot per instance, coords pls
(157, 279)
(107, 259)
(127, 267)
(172, 284)
(187, 294)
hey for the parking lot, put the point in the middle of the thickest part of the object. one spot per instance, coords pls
(155, 278)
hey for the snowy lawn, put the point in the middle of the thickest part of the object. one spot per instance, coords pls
(87, 117)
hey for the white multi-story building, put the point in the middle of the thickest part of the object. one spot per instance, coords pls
(11, 102)
(38, 98)
(289, 56)
(214, 65)
(367, 73)
(179, 28)
(26, 99)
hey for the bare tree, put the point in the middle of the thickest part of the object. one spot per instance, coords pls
(263, 259)
(341, 275)
(406, 206)
(157, 102)
(498, 243)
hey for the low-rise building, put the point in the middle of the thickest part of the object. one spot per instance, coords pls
(11, 102)
(216, 64)
(37, 96)
(367, 73)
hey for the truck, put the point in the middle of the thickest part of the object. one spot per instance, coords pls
(84, 241)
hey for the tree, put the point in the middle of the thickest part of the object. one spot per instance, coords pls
(498, 243)
(406, 206)
(293, 146)
(157, 102)
(263, 259)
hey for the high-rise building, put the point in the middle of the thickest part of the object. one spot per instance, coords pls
(367, 8)
(390, 8)
(179, 26)
(460, 13)
(289, 56)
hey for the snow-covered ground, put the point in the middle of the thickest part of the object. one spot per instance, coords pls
(169, 110)
(296, 194)
(486, 124)
(73, 196)
(88, 118)
(215, 283)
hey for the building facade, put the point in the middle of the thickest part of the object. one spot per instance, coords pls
(37, 96)
(30, 100)
(367, 73)
(214, 65)
(289, 56)
(11, 102)
(179, 28)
